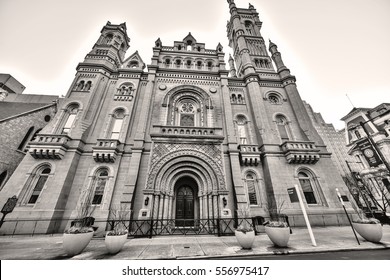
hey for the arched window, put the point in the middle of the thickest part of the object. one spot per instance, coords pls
(251, 187)
(88, 86)
(234, 98)
(189, 45)
(133, 64)
(39, 183)
(283, 128)
(310, 188)
(249, 28)
(80, 85)
(109, 38)
(99, 184)
(240, 100)
(167, 62)
(117, 123)
(26, 138)
(242, 129)
(187, 109)
(71, 113)
(3, 177)
(273, 99)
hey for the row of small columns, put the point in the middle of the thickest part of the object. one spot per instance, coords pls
(162, 207)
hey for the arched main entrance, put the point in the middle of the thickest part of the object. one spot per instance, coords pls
(186, 201)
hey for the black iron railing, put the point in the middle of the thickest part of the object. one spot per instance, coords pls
(136, 228)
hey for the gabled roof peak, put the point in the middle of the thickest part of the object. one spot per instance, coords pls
(189, 37)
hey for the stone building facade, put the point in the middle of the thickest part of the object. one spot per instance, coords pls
(183, 141)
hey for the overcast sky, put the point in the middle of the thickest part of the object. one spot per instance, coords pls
(333, 47)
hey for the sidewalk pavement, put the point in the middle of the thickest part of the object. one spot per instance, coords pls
(49, 247)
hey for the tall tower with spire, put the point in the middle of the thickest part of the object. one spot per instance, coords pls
(291, 151)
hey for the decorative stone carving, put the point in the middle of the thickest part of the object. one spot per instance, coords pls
(207, 158)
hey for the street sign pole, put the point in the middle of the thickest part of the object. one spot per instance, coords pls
(313, 241)
(346, 213)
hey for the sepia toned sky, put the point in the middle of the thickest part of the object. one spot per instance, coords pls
(333, 47)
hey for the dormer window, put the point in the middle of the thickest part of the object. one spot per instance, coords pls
(133, 64)
(189, 45)
(179, 47)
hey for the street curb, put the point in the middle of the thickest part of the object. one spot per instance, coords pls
(385, 247)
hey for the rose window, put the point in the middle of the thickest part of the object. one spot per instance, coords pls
(187, 108)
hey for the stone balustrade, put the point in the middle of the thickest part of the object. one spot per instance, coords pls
(105, 150)
(300, 152)
(49, 146)
(187, 131)
(249, 154)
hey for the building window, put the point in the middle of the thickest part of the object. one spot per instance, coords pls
(70, 118)
(43, 174)
(100, 182)
(273, 99)
(187, 114)
(133, 64)
(249, 28)
(117, 123)
(251, 186)
(26, 138)
(311, 188)
(283, 128)
(3, 177)
(88, 86)
(242, 129)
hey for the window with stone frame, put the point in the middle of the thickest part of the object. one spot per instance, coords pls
(249, 28)
(251, 188)
(273, 99)
(117, 123)
(311, 188)
(3, 177)
(37, 184)
(242, 129)
(70, 117)
(99, 185)
(187, 113)
(283, 127)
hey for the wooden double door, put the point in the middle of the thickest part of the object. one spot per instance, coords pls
(185, 206)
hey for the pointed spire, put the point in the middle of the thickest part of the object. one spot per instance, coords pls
(230, 57)
(271, 44)
(251, 6)
(158, 43)
(219, 47)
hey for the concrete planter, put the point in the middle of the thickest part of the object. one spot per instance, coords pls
(278, 235)
(115, 243)
(370, 232)
(245, 239)
(75, 243)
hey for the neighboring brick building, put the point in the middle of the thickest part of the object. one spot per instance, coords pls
(183, 143)
(22, 116)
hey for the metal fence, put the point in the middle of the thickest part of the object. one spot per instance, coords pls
(136, 228)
